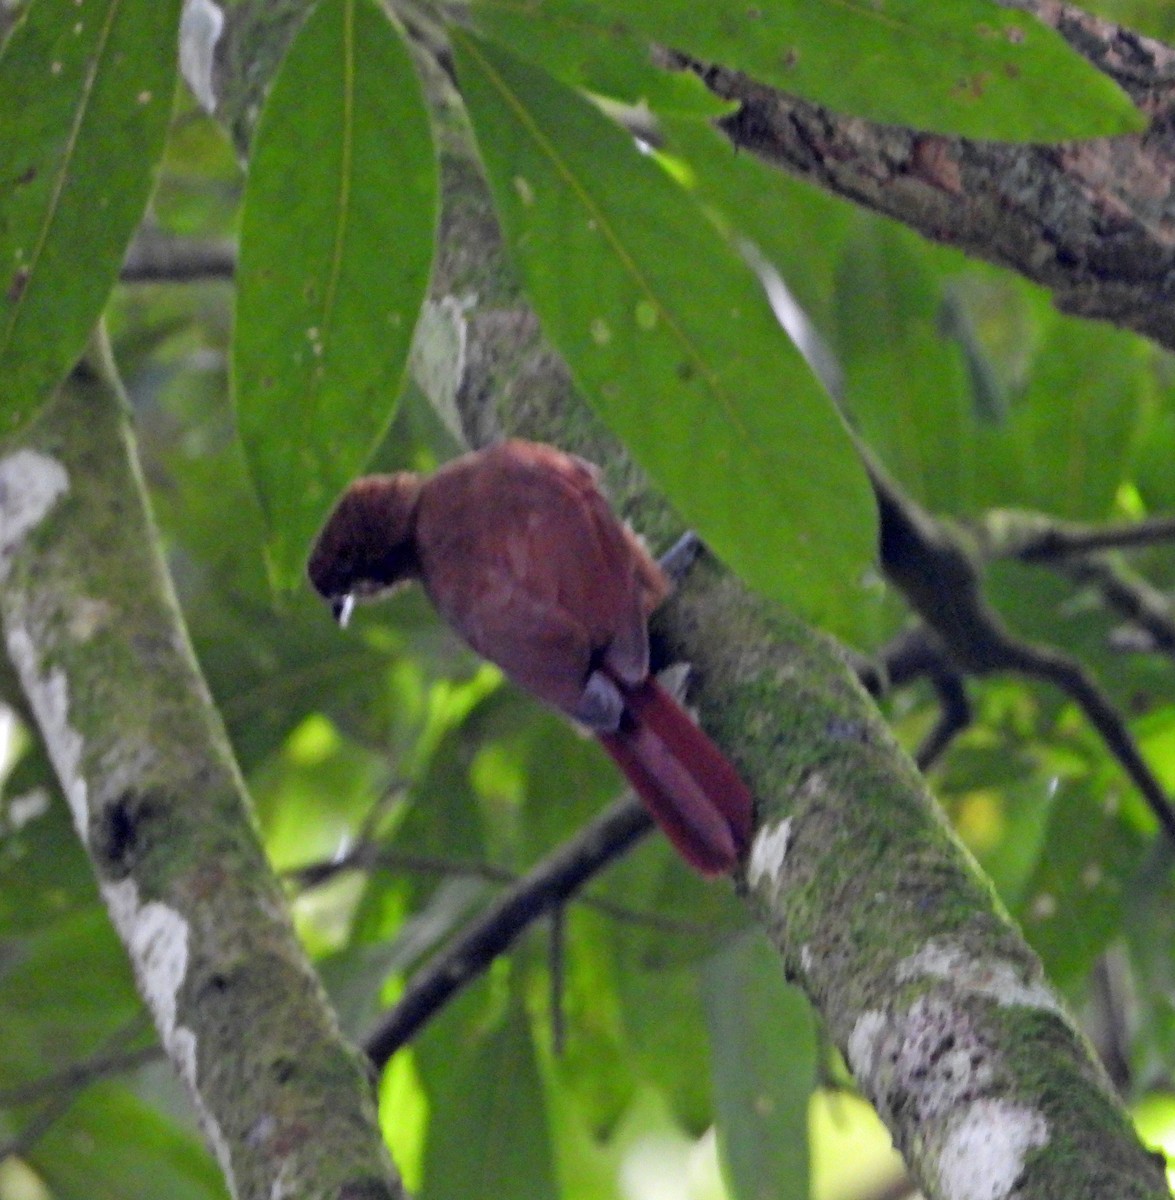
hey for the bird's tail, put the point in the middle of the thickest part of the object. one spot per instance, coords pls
(686, 782)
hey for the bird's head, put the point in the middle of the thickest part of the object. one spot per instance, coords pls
(368, 545)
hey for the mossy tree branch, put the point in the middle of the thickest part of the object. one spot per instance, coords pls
(94, 633)
(877, 912)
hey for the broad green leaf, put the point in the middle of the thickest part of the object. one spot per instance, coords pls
(334, 261)
(596, 1073)
(998, 795)
(488, 1132)
(44, 872)
(356, 978)
(1073, 432)
(1073, 905)
(588, 1165)
(968, 67)
(112, 1145)
(671, 339)
(85, 97)
(1149, 931)
(666, 1036)
(610, 62)
(799, 228)
(64, 989)
(763, 1056)
(1154, 454)
(905, 383)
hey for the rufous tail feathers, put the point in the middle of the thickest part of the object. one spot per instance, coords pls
(685, 781)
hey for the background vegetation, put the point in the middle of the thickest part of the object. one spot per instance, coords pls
(1016, 627)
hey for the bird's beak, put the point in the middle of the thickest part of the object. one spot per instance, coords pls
(341, 608)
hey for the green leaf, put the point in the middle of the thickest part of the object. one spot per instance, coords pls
(609, 62)
(488, 1133)
(1072, 434)
(112, 1145)
(1073, 905)
(85, 96)
(63, 989)
(44, 872)
(968, 67)
(905, 384)
(763, 1052)
(749, 199)
(334, 261)
(666, 1038)
(671, 339)
(1148, 929)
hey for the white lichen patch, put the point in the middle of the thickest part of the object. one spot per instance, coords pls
(437, 357)
(30, 485)
(864, 1044)
(929, 1059)
(768, 853)
(201, 25)
(27, 807)
(49, 699)
(994, 978)
(156, 937)
(984, 1152)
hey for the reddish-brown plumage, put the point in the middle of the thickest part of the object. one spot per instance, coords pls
(518, 550)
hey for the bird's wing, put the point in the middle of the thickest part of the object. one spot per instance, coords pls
(523, 556)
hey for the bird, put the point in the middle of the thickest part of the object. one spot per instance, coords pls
(519, 551)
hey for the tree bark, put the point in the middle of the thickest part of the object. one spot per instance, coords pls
(939, 1005)
(93, 630)
(1091, 220)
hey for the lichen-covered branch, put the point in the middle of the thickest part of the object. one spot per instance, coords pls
(94, 633)
(936, 1000)
(1092, 220)
(877, 912)
(1143, 67)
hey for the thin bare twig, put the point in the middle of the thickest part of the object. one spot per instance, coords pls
(60, 1089)
(158, 257)
(918, 654)
(938, 572)
(80, 1074)
(1131, 596)
(1036, 538)
(367, 856)
(547, 886)
(954, 716)
(370, 857)
(38, 1125)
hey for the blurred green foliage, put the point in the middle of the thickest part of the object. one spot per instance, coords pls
(971, 389)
